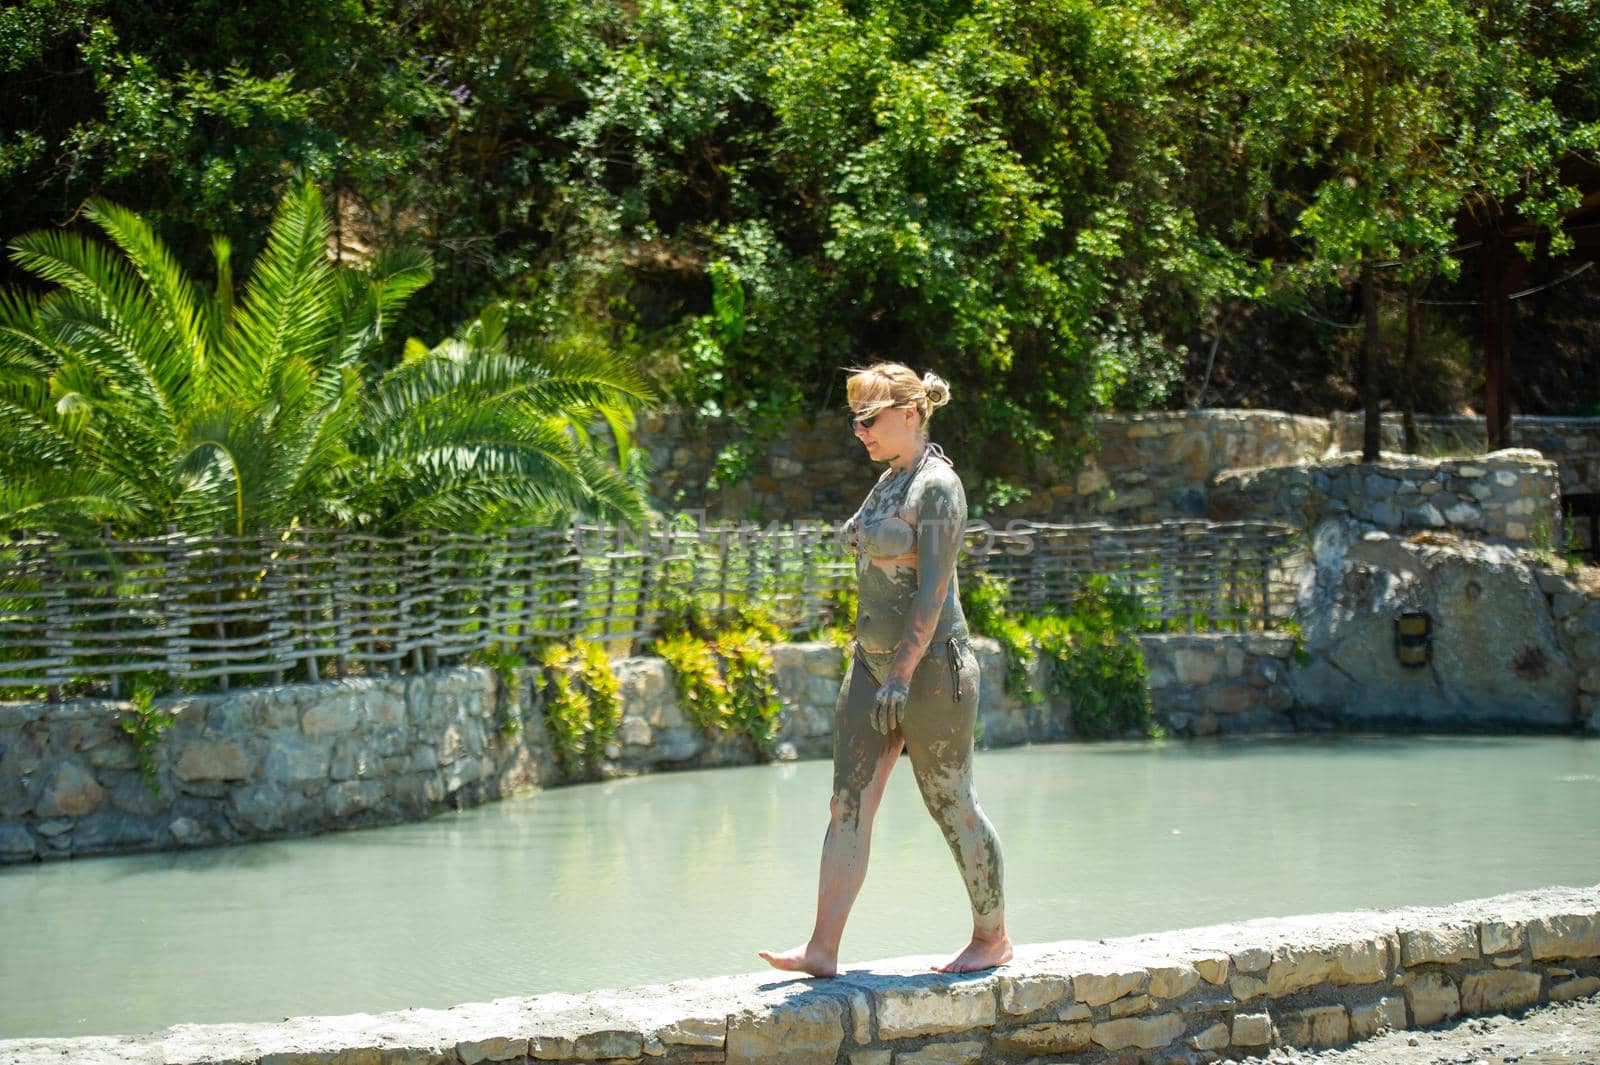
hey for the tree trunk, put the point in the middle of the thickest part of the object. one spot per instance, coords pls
(1372, 430)
(1496, 371)
(1408, 368)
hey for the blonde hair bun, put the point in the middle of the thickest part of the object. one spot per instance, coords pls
(937, 389)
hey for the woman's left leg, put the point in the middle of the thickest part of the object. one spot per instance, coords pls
(938, 729)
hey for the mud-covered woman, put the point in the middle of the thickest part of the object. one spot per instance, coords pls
(912, 681)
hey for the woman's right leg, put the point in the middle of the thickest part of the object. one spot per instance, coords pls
(863, 758)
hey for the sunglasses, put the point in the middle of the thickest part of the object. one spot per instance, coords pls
(866, 423)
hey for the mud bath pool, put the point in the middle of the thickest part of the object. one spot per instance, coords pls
(676, 875)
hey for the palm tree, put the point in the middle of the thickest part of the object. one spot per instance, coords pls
(132, 399)
(470, 435)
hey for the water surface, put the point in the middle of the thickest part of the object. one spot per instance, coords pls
(688, 874)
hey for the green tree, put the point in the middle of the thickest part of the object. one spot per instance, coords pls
(193, 113)
(1367, 126)
(132, 398)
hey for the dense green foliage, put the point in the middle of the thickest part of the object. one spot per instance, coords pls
(1050, 201)
(723, 668)
(582, 704)
(131, 397)
(1089, 645)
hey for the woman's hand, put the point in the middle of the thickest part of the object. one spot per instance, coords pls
(890, 707)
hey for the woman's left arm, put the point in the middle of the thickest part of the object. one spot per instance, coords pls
(941, 524)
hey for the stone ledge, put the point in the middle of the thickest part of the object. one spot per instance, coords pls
(1191, 995)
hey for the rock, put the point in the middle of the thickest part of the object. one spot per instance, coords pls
(1368, 1018)
(212, 760)
(969, 1053)
(1564, 936)
(1570, 989)
(634, 731)
(695, 1032)
(1195, 666)
(1098, 988)
(1363, 961)
(1246, 987)
(872, 1057)
(188, 832)
(332, 715)
(1031, 993)
(1043, 1039)
(118, 753)
(1431, 998)
(1293, 968)
(108, 831)
(1252, 960)
(1315, 1026)
(257, 807)
(1213, 1038)
(1439, 946)
(1386, 514)
(293, 761)
(909, 1012)
(16, 843)
(70, 790)
(1173, 981)
(1425, 516)
(1145, 1032)
(1129, 1005)
(495, 1048)
(1251, 1030)
(353, 796)
(1496, 937)
(861, 1017)
(1498, 990)
(796, 1032)
(1496, 658)
(1213, 970)
(130, 795)
(612, 1043)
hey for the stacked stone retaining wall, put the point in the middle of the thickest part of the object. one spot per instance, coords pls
(304, 758)
(1144, 467)
(1195, 995)
(1573, 444)
(1510, 496)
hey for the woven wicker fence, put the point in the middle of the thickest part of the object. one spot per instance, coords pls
(304, 605)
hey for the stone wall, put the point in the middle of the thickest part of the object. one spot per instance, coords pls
(1510, 496)
(1218, 683)
(1571, 443)
(268, 762)
(1147, 466)
(1195, 995)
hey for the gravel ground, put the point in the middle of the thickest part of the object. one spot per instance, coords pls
(1558, 1033)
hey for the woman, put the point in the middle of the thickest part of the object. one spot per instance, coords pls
(913, 680)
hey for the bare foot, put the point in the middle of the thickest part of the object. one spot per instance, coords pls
(805, 960)
(979, 954)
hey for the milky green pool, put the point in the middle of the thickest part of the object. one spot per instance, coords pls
(688, 874)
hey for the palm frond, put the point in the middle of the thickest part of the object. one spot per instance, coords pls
(288, 304)
(175, 297)
(106, 291)
(66, 503)
(371, 298)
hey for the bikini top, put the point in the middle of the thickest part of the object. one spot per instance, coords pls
(877, 528)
